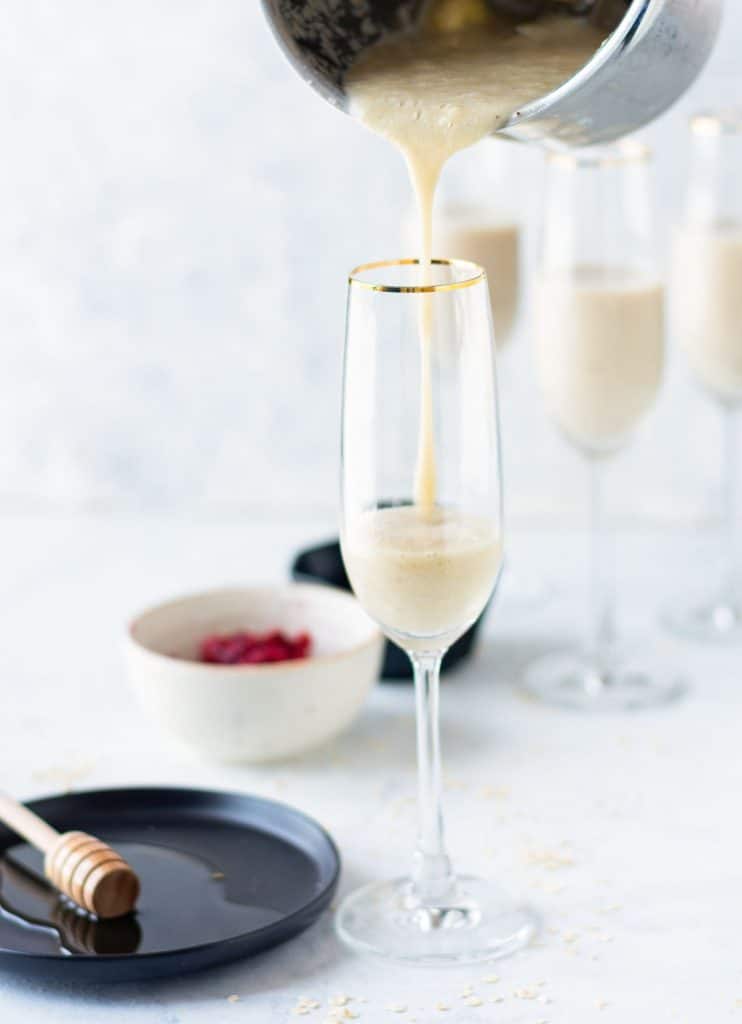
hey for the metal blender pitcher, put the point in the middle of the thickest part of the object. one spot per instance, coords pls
(653, 50)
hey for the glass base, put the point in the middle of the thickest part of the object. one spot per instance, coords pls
(717, 622)
(569, 680)
(477, 923)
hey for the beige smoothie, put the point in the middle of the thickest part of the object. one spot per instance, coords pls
(424, 577)
(707, 280)
(494, 245)
(599, 351)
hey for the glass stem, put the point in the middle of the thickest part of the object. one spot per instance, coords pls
(730, 553)
(602, 582)
(432, 875)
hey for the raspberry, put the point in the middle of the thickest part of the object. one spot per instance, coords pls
(245, 648)
(302, 645)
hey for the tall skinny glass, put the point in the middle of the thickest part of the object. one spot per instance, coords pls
(422, 541)
(707, 301)
(599, 355)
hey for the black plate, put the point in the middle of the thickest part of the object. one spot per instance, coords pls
(223, 876)
(324, 564)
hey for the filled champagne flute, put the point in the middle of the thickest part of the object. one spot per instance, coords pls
(707, 302)
(599, 357)
(422, 541)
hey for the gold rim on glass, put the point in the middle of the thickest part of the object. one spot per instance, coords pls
(619, 155)
(477, 275)
(727, 121)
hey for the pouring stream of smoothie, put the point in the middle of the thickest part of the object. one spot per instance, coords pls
(440, 89)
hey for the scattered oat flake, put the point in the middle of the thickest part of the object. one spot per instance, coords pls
(552, 860)
(474, 1001)
(491, 979)
(554, 888)
(498, 999)
(442, 1007)
(611, 907)
(233, 999)
(526, 992)
(455, 784)
(339, 1000)
(67, 775)
(348, 1014)
(397, 1008)
(570, 936)
(495, 792)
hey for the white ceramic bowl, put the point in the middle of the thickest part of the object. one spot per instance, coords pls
(255, 712)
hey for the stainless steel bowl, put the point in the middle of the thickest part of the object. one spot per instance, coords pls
(654, 50)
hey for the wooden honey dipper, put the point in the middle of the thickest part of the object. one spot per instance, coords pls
(82, 867)
(78, 932)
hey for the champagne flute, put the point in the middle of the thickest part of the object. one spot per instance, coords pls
(599, 355)
(422, 541)
(707, 294)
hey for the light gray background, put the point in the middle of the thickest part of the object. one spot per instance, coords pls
(177, 216)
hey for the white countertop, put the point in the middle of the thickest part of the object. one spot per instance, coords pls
(624, 832)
